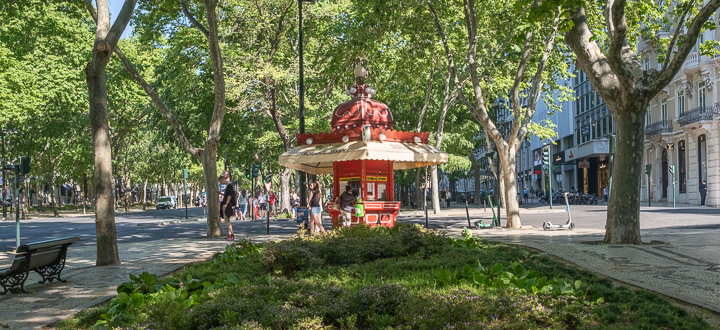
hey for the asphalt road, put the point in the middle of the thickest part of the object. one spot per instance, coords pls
(136, 226)
(131, 227)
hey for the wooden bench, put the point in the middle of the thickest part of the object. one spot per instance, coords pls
(46, 258)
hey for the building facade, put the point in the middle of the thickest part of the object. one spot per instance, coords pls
(530, 171)
(682, 131)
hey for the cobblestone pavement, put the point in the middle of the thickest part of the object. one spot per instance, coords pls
(682, 261)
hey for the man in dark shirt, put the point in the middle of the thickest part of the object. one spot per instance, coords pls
(226, 206)
(347, 203)
(703, 193)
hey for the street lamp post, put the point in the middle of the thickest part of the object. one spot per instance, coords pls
(301, 91)
(4, 174)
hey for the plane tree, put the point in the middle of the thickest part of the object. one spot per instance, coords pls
(604, 36)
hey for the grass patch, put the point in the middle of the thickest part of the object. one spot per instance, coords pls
(399, 278)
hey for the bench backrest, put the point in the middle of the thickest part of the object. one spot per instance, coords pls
(41, 253)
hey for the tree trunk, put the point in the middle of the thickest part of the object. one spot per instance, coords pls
(435, 189)
(285, 189)
(85, 193)
(51, 182)
(623, 215)
(509, 189)
(209, 162)
(128, 193)
(476, 175)
(107, 250)
(418, 190)
(144, 193)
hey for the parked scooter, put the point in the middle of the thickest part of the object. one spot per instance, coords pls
(569, 224)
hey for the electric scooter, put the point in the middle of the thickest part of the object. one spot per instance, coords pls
(569, 224)
(480, 225)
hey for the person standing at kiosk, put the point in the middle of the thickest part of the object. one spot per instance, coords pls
(347, 203)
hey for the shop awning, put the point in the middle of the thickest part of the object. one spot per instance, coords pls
(318, 158)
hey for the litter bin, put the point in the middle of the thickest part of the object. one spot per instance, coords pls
(302, 216)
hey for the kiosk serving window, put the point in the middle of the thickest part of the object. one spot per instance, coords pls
(354, 182)
(376, 188)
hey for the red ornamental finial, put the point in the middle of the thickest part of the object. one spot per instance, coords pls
(360, 90)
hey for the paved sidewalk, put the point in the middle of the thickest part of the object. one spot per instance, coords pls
(88, 285)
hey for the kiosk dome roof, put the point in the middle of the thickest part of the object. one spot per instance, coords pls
(361, 110)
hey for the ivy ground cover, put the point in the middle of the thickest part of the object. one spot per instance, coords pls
(379, 278)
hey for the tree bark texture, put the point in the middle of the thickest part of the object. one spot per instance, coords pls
(509, 185)
(107, 251)
(106, 38)
(418, 190)
(476, 176)
(435, 189)
(209, 162)
(285, 189)
(623, 216)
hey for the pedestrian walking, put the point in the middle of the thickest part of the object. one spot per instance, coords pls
(273, 208)
(525, 194)
(532, 193)
(203, 204)
(226, 207)
(243, 204)
(443, 195)
(295, 203)
(448, 197)
(262, 207)
(315, 208)
(703, 193)
(605, 194)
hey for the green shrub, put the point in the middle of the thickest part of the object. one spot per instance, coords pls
(380, 278)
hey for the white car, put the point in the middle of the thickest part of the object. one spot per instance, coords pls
(166, 202)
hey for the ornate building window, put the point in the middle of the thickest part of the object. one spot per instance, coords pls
(680, 102)
(701, 95)
(663, 110)
(681, 167)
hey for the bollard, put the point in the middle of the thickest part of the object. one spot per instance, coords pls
(467, 213)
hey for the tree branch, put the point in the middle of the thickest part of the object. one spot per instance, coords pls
(677, 33)
(184, 143)
(666, 76)
(193, 21)
(520, 129)
(618, 45)
(479, 112)
(113, 36)
(427, 101)
(590, 58)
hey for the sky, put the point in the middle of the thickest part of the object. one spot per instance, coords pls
(115, 6)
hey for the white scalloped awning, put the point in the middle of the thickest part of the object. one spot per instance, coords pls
(318, 158)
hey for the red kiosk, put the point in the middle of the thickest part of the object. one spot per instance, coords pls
(362, 150)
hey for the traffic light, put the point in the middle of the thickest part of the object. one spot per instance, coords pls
(247, 174)
(546, 156)
(267, 177)
(255, 170)
(648, 169)
(672, 169)
(24, 165)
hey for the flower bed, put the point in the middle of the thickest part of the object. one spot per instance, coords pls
(402, 278)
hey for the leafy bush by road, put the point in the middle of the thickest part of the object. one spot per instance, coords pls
(401, 278)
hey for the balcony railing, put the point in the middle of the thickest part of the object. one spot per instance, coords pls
(661, 127)
(698, 114)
